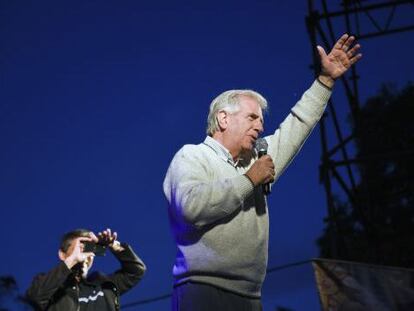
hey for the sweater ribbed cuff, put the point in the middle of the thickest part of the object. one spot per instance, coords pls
(243, 186)
(323, 84)
(321, 91)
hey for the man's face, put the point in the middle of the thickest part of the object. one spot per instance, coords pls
(245, 125)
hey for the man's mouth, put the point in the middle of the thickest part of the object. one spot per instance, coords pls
(254, 138)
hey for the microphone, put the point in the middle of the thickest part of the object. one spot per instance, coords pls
(261, 148)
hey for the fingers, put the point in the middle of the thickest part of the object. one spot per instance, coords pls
(356, 58)
(268, 168)
(348, 42)
(270, 172)
(83, 238)
(93, 237)
(79, 242)
(269, 160)
(340, 58)
(262, 171)
(269, 179)
(103, 235)
(89, 260)
(271, 175)
(77, 255)
(352, 51)
(107, 237)
(345, 42)
(87, 255)
(321, 51)
(351, 54)
(340, 43)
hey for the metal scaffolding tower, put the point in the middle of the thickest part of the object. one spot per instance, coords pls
(366, 20)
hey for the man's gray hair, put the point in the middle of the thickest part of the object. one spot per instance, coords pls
(229, 101)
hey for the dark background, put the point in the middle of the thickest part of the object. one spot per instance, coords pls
(97, 96)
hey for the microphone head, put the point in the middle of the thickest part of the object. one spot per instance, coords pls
(261, 145)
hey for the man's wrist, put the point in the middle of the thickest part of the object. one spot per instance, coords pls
(116, 246)
(326, 81)
(250, 179)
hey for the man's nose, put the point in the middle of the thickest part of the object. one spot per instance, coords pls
(258, 126)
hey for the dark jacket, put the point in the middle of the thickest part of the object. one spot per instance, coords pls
(58, 290)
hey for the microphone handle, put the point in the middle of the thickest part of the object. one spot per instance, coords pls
(266, 186)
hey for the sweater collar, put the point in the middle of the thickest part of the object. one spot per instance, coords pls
(221, 151)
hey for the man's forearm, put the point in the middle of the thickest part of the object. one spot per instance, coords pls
(285, 143)
(132, 268)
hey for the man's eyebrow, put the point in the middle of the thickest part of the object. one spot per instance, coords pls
(256, 116)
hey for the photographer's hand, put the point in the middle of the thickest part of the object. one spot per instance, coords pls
(75, 253)
(109, 238)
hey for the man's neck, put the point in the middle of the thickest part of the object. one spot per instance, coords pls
(224, 142)
(78, 274)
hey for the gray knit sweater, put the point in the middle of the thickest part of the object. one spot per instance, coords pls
(219, 221)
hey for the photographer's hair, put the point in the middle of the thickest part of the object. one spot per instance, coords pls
(229, 101)
(68, 237)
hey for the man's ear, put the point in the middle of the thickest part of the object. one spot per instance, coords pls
(223, 119)
(62, 255)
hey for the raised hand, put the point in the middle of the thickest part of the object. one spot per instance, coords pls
(339, 60)
(75, 253)
(109, 238)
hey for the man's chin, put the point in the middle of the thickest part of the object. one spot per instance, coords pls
(248, 147)
(247, 153)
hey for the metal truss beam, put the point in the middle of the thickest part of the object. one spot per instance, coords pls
(336, 168)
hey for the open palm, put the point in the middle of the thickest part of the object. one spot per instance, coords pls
(340, 58)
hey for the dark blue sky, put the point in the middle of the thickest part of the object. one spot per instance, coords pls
(97, 96)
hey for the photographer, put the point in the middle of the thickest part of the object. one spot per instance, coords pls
(68, 287)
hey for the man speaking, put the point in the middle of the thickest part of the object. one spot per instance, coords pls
(217, 205)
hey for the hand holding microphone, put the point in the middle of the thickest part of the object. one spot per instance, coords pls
(262, 172)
